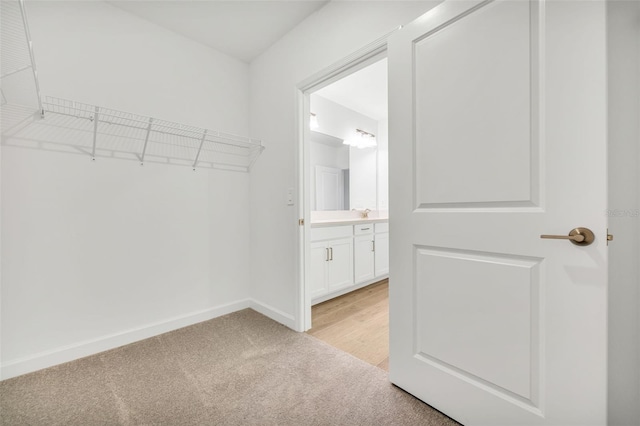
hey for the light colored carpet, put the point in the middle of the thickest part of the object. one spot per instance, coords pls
(239, 369)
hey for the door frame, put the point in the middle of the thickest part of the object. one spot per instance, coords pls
(361, 58)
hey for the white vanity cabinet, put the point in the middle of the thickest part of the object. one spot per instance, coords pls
(347, 257)
(331, 260)
(319, 277)
(363, 253)
(381, 249)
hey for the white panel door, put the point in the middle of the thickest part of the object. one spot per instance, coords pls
(498, 135)
(363, 258)
(340, 263)
(381, 254)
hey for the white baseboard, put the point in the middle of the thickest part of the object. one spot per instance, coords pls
(273, 313)
(348, 289)
(89, 347)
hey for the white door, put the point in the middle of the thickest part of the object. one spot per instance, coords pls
(329, 188)
(363, 258)
(498, 135)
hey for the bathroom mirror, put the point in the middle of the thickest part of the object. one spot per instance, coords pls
(342, 177)
(354, 176)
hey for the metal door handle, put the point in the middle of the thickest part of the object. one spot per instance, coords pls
(578, 236)
(330, 253)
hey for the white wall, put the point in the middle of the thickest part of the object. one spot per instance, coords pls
(330, 156)
(100, 54)
(624, 141)
(98, 254)
(339, 121)
(1, 274)
(324, 38)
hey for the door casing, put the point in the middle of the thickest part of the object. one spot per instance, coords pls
(362, 58)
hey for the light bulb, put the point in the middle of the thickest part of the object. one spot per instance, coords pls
(361, 139)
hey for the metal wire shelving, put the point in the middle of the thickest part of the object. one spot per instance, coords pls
(147, 137)
(70, 126)
(17, 48)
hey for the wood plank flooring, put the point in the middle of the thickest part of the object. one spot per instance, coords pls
(357, 323)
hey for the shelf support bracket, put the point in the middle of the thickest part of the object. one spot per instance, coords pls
(95, 133)
(253, 157)
(27, 34)
(146, 141)
(204, 136)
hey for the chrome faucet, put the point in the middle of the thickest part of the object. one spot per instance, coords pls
(365, 213)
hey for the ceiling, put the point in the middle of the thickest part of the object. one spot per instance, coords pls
(239, 28)
(364, 91)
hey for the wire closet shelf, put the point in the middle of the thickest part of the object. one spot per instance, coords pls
(18, 71)
(149, 137)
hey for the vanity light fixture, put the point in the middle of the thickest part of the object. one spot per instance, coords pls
(313, 122)
(361, 139)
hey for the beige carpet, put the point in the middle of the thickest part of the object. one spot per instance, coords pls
(240, 369)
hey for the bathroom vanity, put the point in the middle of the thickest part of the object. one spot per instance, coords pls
(347, 254)
(349, 244)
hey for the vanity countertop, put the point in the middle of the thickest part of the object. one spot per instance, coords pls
(347, 221)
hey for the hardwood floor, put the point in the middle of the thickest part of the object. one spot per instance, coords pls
(357, 323)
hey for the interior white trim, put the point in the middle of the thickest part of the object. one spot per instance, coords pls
(361, 58)
(348, 65)
(93, 346)
(349, 290)
(273, 313)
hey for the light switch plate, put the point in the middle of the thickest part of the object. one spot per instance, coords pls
(289, 196)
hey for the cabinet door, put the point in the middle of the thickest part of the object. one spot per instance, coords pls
(363, 258)
(341, 263)
(382, 254)
(319, 269)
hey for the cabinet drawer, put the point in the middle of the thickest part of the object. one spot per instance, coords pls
(382, 227)
(363, 228)
(331, 233)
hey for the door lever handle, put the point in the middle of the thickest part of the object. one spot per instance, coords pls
(578, 236)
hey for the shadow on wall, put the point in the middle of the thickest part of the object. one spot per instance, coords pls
(124, 138)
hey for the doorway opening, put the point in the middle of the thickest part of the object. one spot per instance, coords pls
(345, 244)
